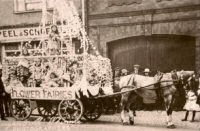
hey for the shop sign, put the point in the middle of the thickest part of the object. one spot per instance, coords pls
(23, 33)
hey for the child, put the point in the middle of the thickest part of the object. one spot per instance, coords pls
(51, 80)
(66, 79)
(38, 72)
(23, 72)
(54, 40)
(191, 103)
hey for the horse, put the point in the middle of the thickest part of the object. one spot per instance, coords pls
(183, 76)
(190, 81)
(144, 87)
(181, 85)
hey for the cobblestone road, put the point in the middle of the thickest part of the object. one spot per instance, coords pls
(145, 121)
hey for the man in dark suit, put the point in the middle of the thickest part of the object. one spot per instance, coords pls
(2, 95)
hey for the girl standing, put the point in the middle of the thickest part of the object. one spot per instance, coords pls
(54, 40)
(191, 102)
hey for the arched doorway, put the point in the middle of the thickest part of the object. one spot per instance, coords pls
(158, 52)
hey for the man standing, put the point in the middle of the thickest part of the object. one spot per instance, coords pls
(146, 72)
(2, 95)
(124, 72)
(136, 69)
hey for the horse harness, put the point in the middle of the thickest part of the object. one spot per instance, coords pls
(158, 89)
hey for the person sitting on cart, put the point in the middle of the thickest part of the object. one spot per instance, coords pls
(38, 72)
(75, 72)
(23, 72)
(67, 79)
(51, 80)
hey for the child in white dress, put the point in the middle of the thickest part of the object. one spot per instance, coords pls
(191, 102)
(54, 42)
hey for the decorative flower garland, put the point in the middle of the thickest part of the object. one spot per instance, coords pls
(41, 68)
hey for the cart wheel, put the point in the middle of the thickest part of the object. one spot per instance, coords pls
(93, 110)
(70, 110)
(47, 108)
(20, 109)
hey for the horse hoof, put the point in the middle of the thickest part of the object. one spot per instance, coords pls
(131, 122)
(125, 123)
(171, 126)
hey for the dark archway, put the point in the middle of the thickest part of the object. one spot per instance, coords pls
(158, 52)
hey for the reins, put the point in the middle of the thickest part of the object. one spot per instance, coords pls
(136, 88)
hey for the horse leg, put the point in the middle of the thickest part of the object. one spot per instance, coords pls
(124, 102)
(131, 117)
(168, 104)
(131, 111)
(123, 113)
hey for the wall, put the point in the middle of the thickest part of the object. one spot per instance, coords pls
(111, 20)
(9, 18)
(111, 6)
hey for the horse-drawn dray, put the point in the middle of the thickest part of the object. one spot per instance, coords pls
(57, 76)
(71, 97)
(62, 106)
(63, 82)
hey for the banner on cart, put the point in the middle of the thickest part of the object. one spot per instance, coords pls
(42, 93)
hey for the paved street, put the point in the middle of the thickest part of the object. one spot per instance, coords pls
(145, 121)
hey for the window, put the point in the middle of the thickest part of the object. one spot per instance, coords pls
(30, 5)
(12, 49)
(36, 5)
(15, 49)
(33, 4)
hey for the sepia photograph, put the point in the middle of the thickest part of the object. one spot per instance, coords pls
(99, 65)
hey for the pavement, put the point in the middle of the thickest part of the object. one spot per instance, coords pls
(144, 121)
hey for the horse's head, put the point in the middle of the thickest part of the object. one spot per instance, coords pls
(193, 83)
(185, 78)
(184, 75)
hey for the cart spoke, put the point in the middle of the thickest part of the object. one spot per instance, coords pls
(21, 109)
(72, 111)
(47, 108)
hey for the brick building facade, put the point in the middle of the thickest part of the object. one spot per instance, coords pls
(170, 29)
(159, 34)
